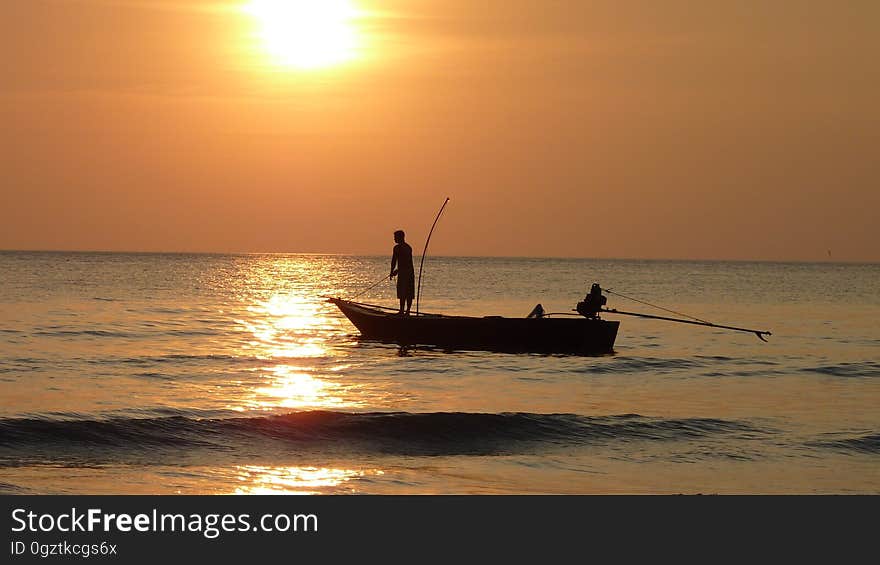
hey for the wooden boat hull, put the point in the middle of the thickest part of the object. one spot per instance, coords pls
(575, 335)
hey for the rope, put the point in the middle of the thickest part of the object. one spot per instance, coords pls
(620, 294)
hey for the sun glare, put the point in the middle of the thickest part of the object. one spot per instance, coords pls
(307, 34)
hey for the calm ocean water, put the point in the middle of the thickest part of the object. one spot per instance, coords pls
(172, 373)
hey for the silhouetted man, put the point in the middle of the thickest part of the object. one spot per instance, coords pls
(406, 276)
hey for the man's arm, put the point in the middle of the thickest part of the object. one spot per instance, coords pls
(393, 262)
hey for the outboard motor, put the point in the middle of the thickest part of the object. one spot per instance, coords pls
(592, 304)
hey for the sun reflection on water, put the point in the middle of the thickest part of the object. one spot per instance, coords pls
(287, 330)
(293, 388)
(260, 479)
(286, 326)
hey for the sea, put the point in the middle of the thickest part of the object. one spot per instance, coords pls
(149, 373)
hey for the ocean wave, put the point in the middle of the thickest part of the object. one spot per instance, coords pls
(659, 365)
(638, 364)
(438, 433)
(200, 360)
(716, 359)
(23, 365)
(858, 369)
(9, 488)
(178, 359)
(127, 334)
(87, 333)
(189, 333)
(861, 444)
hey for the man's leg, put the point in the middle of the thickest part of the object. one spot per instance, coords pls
(408, 304)
(401, 305)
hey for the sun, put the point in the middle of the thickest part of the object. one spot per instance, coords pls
(307, 34)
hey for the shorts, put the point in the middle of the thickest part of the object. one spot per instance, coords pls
(406, 285)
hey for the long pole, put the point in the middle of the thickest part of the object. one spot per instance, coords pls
(371, 287)
(425, 252)
(758, 333)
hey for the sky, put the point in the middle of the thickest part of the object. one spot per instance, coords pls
(741, 129)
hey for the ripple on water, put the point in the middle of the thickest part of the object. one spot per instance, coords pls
(856, 369)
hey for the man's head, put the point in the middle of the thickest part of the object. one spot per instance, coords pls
(398, 236)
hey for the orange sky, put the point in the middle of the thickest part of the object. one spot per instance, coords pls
(677, 129)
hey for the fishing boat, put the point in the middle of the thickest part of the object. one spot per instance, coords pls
(581, 331)
(577, 335)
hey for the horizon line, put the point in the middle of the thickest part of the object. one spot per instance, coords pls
(561, 257)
